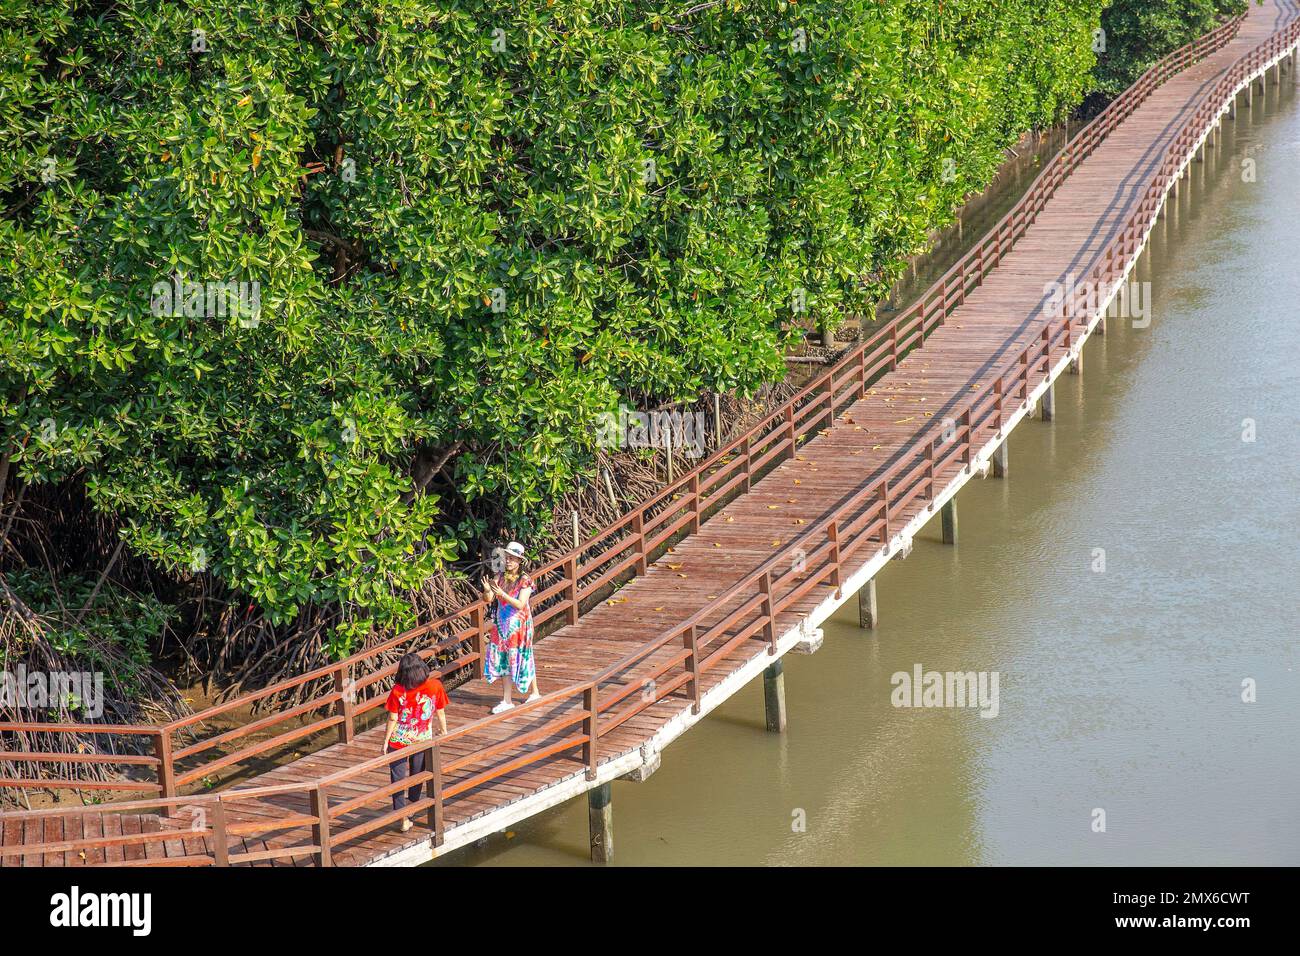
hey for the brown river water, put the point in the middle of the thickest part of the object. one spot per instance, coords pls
(1120, 690)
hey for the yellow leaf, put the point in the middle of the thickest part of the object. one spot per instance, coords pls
(257, 156)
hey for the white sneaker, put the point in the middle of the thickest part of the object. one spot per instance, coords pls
(502, 707)
(532, 697)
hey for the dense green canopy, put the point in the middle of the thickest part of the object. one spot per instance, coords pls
(461, 231)
(1139, 32)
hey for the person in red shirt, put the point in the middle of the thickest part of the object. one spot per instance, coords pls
(415, 699)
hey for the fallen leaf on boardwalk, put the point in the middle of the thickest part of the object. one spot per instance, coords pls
(798, 482)
(907, 419)
(617, 601)
(874, 447)
(928, 414)
(731, 519)
(855, 453)
(791, 501)
(681, 575)
(776, 543)
(674, 567)
(857, 428)
(772, 507)
(716, 545)
(658, 609)
(709, 597)
(799, 521)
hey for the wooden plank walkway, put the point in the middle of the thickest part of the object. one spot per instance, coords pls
(906, 410)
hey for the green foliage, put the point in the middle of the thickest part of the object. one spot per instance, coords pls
(1139, 32)
(113, 635)
(379, 168)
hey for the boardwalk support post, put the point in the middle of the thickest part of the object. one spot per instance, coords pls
(600, 823)
(948, 520)
(774, 696)
(868, 614)
(1076, 360)
(1048, 407)
(1002, 459)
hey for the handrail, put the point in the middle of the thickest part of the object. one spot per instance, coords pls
(861, 517)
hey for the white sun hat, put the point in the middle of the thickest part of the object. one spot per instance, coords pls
(517, 549)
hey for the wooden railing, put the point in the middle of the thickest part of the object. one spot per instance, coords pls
(579, 715)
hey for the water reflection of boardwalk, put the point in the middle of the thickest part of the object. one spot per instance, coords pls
(778, 531)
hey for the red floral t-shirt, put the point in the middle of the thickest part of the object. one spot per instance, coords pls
(414, 710)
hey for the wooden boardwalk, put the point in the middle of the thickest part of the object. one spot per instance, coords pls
(906, 427)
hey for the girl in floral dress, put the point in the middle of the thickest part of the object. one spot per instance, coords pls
(509, 652)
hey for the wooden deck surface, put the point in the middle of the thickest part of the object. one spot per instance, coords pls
(904, 409)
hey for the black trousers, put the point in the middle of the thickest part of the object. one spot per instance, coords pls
(399, 769)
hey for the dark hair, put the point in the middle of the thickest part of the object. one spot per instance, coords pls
(411, 671)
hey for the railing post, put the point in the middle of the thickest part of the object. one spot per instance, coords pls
(929, 469)
(884, 498)
(320, 829)
(220, 851)
(693, 487)
(833, 532)
(970, 439)
(476, 623)
(692, 668)
(433, 763)
(638, 540)
(765, 585)
(789, 428)
(162, 745)
(744, 452)
(571, 575)
(346, 704)
(590, 727)
(893, 344)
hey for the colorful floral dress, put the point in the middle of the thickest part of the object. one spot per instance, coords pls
(510, 649)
